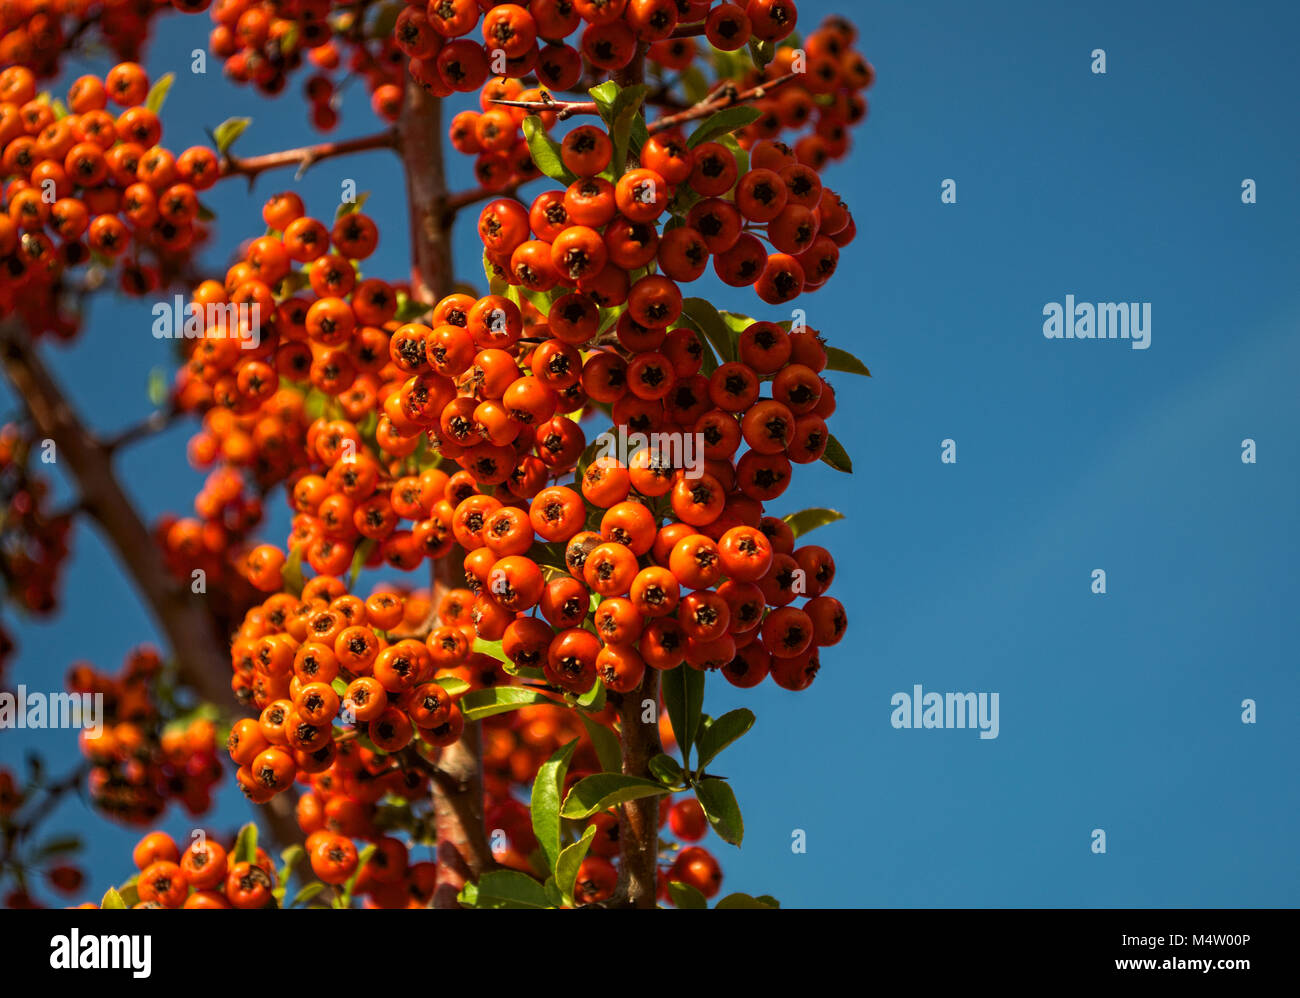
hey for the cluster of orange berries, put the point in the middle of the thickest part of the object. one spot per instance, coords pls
(523, 38)
(33, 540)
(263, 41)
(83, 182)
(140, 759)
(204, 875)
(38, 34)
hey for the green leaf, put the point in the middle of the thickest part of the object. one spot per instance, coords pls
(346, 900)
(307, 893)
(685, 896)
(745, 901)
(454, 685)
(359, 559)
(290, 858)
(571, 857)
(707, 320)
(498, 700)
(544, 803)
(728, 120)
(842, 360)
(606, 744)
(836, 456)
(158, 92)
(224, 135)
(130, 892)
(740, 155)
(694, 84)
(545, 151)
(157, 386)
(667, 770)
(807, 520)
(683, 690)
(719, 803)
(482, 646)
(604, 790)
(57, 846)
(352, 207)
(409, 309)
(505, 889)
(763, 52)
(291, 571)
(246, 844)
(593, 701)
(721, 733)
(112, 899)
(620, 107)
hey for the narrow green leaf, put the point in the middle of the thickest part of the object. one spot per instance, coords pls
(721, 733)
(246, 844)
(728, 120)
(685, 896)
(57, 846)
(807, 520)
(738, 153)
(224, 135)
(571, 857)
(683, 691)
(545, 151)
(158, 92)
(719, 803)
(352, 207)
(548, 787)
(507, 889)
(454, 685)
(112, 900)
(606, 744)
(157, 386)
(351, 884)
(842, 360)
(732, 901)
(291, 571)
(359, 559)
(307, 893)
(290, 858)
(837, 457)
(705, 319)
(604, 790)
(498, 700)
(593, 701)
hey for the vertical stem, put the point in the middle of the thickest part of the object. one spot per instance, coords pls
(639, 819)
(463, 851)
(420, 140)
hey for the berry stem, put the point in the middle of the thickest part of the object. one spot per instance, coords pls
(304, 156)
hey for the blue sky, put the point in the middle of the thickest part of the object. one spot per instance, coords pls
(1119, 711)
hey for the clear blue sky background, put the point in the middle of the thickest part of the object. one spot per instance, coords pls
(1120, 712)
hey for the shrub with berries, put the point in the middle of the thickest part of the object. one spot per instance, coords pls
(581, 459)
